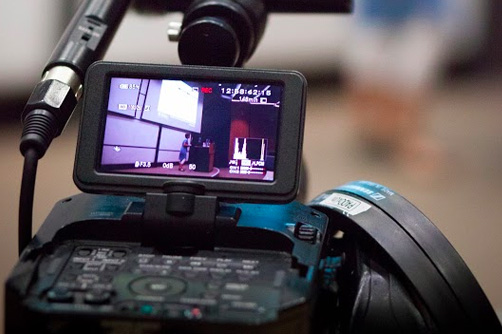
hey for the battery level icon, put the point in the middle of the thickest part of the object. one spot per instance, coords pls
(124, 86)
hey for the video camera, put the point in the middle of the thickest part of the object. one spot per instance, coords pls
(188, 223)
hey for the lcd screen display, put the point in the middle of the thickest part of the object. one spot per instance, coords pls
(192, 129)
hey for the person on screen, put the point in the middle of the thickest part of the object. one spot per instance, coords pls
(184, 151)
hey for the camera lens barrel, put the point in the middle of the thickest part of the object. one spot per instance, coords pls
(407, 244)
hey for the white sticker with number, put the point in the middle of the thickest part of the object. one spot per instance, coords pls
(346, 204)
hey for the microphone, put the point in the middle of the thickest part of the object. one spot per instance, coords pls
(54, 98)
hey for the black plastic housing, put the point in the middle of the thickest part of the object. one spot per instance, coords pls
(290, 133)
(115, 221)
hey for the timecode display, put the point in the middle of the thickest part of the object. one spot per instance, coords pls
(244, 91)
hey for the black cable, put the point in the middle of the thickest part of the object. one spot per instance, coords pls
(31, 157)
(54, 98)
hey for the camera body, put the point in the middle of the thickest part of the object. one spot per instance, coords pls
(173, 234)
(93, 272)
(196, 239)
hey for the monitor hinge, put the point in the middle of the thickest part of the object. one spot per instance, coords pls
(181, 217)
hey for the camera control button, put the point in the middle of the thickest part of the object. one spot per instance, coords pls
(83, 252)
(97, 297)
(60, 295)
(157, 286)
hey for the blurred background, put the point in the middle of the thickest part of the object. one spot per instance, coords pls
(406, 93)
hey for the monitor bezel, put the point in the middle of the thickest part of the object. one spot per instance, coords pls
(88, 178)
